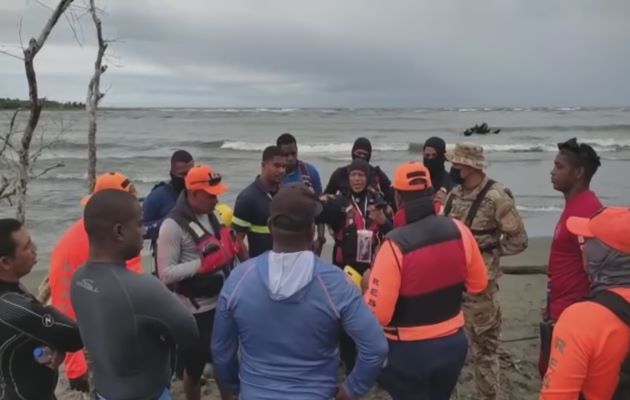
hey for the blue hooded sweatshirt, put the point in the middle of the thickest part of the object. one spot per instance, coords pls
(284, 313)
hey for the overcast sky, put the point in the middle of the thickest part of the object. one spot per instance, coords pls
(338, 53)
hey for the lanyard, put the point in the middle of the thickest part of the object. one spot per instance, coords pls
(356, 207)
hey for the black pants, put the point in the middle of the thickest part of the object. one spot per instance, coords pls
(424, 369)
(194, 365)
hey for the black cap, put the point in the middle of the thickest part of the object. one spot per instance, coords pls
(294, 207)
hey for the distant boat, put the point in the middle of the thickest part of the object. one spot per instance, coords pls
(482, 129)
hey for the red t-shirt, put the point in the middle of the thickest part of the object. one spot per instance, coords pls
(568, 280)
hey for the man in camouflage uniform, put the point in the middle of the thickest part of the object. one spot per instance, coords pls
(499, 231)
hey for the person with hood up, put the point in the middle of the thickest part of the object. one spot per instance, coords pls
(339, 180)
(591, 340)
(359, 219)
(434, 158)
(279, 314)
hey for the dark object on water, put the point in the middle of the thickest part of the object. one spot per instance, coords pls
(482, 129)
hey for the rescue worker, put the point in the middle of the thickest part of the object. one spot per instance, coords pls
(195, 254)
(589, 353)
(71, 253)
(488, 209)
(251, 210)
(574, 167)
(359, 220)
(26, 325)
(362, 148)
(415, 290)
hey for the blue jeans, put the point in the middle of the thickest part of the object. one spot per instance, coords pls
(424, 369)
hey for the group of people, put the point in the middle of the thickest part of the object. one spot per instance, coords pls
(410, 288)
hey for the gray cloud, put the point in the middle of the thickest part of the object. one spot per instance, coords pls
(352, 53)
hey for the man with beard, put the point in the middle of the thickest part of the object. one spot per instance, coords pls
(434, 158)
(163, 196)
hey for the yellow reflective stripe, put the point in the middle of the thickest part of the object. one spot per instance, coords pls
(240, 222)
(259, 229)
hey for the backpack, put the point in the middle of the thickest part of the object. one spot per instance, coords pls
(621, 308)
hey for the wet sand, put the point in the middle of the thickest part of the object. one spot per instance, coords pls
(521, 298)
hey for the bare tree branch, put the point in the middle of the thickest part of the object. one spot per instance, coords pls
(7, 137)
(47, 170)
(6, 53)
(94, 96)
(20, 34)
(34, 45)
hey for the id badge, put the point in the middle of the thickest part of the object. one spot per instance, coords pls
(364, 246)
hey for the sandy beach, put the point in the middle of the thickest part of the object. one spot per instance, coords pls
(521, 297)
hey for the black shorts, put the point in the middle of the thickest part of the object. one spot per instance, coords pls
(194, 365)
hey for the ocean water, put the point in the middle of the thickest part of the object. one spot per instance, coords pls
(140, 142)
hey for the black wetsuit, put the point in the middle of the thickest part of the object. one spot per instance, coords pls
(130, 323)
(339, 182)
(26, 324)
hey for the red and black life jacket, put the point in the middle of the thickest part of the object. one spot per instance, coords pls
(207, 284)
(433, 272)
(354, 221)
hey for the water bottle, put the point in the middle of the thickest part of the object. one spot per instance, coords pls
(43, 355)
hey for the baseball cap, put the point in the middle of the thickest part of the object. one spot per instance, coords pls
(611, 225)
(411, 177)
(203, 177)
(294, 207)
(111, 180)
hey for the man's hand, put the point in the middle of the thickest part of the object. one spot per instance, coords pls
(80, 384)
(378, 215)
(326, 197)
(56, 359)
(342, 394)
(440, 196)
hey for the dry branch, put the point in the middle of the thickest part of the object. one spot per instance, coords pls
(94, 96)
(24, 166)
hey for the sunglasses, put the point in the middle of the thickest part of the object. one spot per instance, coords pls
(214, 179)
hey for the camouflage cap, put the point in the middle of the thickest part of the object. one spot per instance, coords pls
(467, 153)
